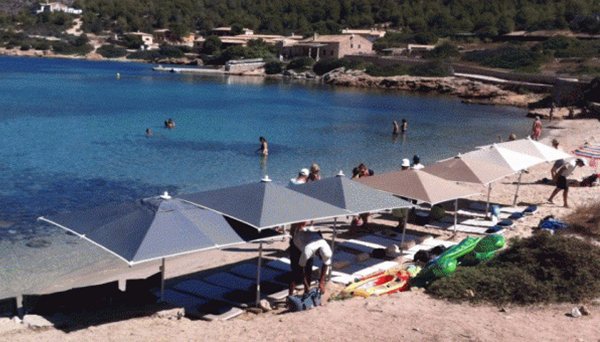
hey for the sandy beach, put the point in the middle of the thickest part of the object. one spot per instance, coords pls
(404, 316)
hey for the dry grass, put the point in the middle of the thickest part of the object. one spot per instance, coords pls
(585, 221)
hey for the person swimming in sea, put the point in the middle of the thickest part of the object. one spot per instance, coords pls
(169, 123)
(149, 132)
(264, 147)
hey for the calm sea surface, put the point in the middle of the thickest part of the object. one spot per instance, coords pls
(73, 137)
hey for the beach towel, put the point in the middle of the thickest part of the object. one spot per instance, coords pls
(552, 224)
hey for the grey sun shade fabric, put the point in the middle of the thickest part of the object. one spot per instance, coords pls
(419, 185)
(264, 205)
(469, 168)
(154, 228)
(353, 196)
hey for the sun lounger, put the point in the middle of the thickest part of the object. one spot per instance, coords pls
(379, 267)
(203, 289)
(188, 302)
(248, 270)
(479, 214)
(381, 240)
(283, 264)
(230, 281)
(361, 246)
(396, 236)
(196, 307)
(227, 315)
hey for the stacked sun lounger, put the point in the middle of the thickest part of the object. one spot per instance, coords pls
(366, 244)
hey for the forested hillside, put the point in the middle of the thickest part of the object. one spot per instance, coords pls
(442, 17)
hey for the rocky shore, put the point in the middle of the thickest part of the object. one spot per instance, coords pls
(469, 90)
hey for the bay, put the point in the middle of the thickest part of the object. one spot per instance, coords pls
(73, 134)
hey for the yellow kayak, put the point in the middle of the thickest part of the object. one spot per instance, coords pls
(390, 281)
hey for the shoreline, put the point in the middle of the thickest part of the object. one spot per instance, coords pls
(393, 315)
(468, 90)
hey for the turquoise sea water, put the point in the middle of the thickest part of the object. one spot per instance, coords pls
(73, 134)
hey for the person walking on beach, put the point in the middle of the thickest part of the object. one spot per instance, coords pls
(561, 181)
(536, 129)
(396, 128)
(315, 173)
(264, 147)
(557, 164)
(404, 126)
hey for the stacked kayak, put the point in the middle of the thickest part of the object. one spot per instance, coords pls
(470, 251)
(390, 281)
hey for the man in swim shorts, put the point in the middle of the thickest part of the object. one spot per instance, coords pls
(311, 243)
(561, 180)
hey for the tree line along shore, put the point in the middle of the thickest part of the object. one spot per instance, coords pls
(400, 44)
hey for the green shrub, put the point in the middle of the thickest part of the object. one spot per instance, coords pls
(390, 70)
(425, 38)
(41, 45)
(170, 51)
(301, 64)
(273, 67)
(148, 55)
(25, 47)
(111, 51)
(327, 64)
(585, 219)
(506, 57)
(540, 269)
(563, 47)
(65, 48)
(443, 51)
(431, 69)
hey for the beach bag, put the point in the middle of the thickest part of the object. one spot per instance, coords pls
(551, 223)
(307, 301)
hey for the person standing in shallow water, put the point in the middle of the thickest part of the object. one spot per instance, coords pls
(536, 129)
(404, 126)
(396, 128)
(264, 147)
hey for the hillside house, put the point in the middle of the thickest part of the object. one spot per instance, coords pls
(50, 7)
(327, 46)
(371, 34)
(147, 40)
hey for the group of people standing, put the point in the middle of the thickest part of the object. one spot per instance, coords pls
(305, 175)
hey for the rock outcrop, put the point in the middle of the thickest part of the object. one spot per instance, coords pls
(471, 91)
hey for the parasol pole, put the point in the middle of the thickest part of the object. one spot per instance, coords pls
(332, 247)
(405, 220)
(162, 280)
(517, 192)
(487, 204)
(260, 250)
(456, 214)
